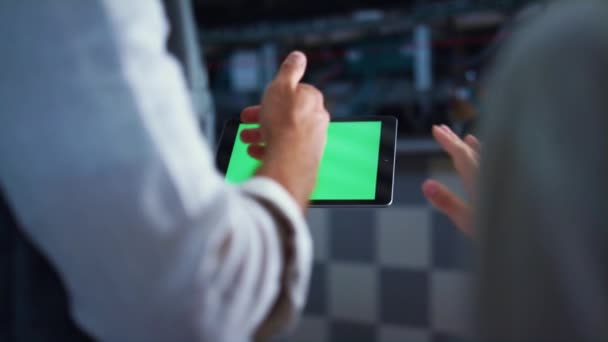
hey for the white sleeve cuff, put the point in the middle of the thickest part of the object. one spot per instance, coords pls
(296, 237)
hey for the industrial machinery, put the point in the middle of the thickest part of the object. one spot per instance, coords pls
(420, 61)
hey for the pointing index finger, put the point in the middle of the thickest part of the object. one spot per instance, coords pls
(292, 70)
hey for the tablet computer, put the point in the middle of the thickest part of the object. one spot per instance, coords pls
(357, 168)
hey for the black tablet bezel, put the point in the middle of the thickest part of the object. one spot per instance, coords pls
(386, 161)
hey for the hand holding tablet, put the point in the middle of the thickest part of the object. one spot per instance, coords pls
(357, 167)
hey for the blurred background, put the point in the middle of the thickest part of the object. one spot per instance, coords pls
(396, 274)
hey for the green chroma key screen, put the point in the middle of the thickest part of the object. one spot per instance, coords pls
(349, 167)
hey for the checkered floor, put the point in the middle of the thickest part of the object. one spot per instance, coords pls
(389, 275)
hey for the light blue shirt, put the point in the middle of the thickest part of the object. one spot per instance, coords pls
(103, 161)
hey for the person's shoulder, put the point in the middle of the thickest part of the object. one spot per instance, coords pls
(553, 55)
(567, 24)
(564, 33)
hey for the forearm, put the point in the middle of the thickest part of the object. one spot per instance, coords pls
(279, 171)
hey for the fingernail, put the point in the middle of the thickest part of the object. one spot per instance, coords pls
(295, 58)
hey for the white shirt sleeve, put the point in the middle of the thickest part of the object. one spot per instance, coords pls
(102, 159)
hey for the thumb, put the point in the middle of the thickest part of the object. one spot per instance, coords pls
(458, 211)
(292, 70)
